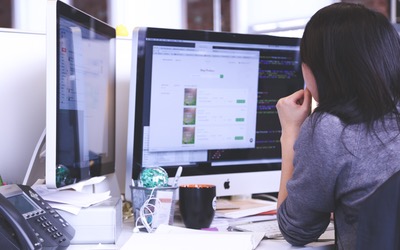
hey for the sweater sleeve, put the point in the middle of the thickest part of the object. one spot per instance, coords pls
(305, 213)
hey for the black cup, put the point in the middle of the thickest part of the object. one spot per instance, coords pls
(197, 204)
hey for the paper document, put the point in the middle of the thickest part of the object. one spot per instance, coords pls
(80, 185)
(246, 207)
(179, 238)
(74, 199)
(77, 198)
(65, 207)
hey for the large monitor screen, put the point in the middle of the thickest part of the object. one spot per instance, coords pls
(80, 110)
(206, 101)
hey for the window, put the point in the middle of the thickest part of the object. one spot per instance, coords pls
(96, 8)
(200, 14)
(5, 14)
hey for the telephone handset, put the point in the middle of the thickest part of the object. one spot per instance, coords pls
(29, 222)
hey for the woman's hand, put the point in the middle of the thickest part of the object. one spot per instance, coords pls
(293, 110)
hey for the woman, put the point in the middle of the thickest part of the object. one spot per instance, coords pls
(336, 157)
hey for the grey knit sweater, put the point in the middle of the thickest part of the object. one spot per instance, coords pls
(335, 170)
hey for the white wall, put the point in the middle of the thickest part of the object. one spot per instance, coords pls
(31, 15)
(247, 13)
(23, 101)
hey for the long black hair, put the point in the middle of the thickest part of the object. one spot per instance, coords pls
(354, 54)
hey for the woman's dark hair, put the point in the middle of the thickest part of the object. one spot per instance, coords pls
(354, 54)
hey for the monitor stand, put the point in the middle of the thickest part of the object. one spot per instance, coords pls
(87, 221)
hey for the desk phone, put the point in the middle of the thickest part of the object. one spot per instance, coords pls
(29, 222)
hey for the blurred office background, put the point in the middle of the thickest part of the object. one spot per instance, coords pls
(23, 53)
(283, 17)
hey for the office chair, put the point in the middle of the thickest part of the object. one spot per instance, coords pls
(379, 217)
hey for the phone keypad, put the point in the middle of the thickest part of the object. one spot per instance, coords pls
(48, 222)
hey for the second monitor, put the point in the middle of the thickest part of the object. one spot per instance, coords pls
(206, 101)
(80, 99)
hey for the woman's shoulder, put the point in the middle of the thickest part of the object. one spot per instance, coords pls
(324, 134)
(323, 123)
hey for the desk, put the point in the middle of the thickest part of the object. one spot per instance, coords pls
(327, 243)
(265, 244)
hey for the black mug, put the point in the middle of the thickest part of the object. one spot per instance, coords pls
(197, 204)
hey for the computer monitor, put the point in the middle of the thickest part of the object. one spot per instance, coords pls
(206, 101)
(80, 104)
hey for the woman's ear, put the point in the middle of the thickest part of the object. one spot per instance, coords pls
(310, 81)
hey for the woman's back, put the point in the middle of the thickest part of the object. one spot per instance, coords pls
(336, 170)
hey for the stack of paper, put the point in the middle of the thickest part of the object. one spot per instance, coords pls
(71, 199)
(178, 238)
(246, 207)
